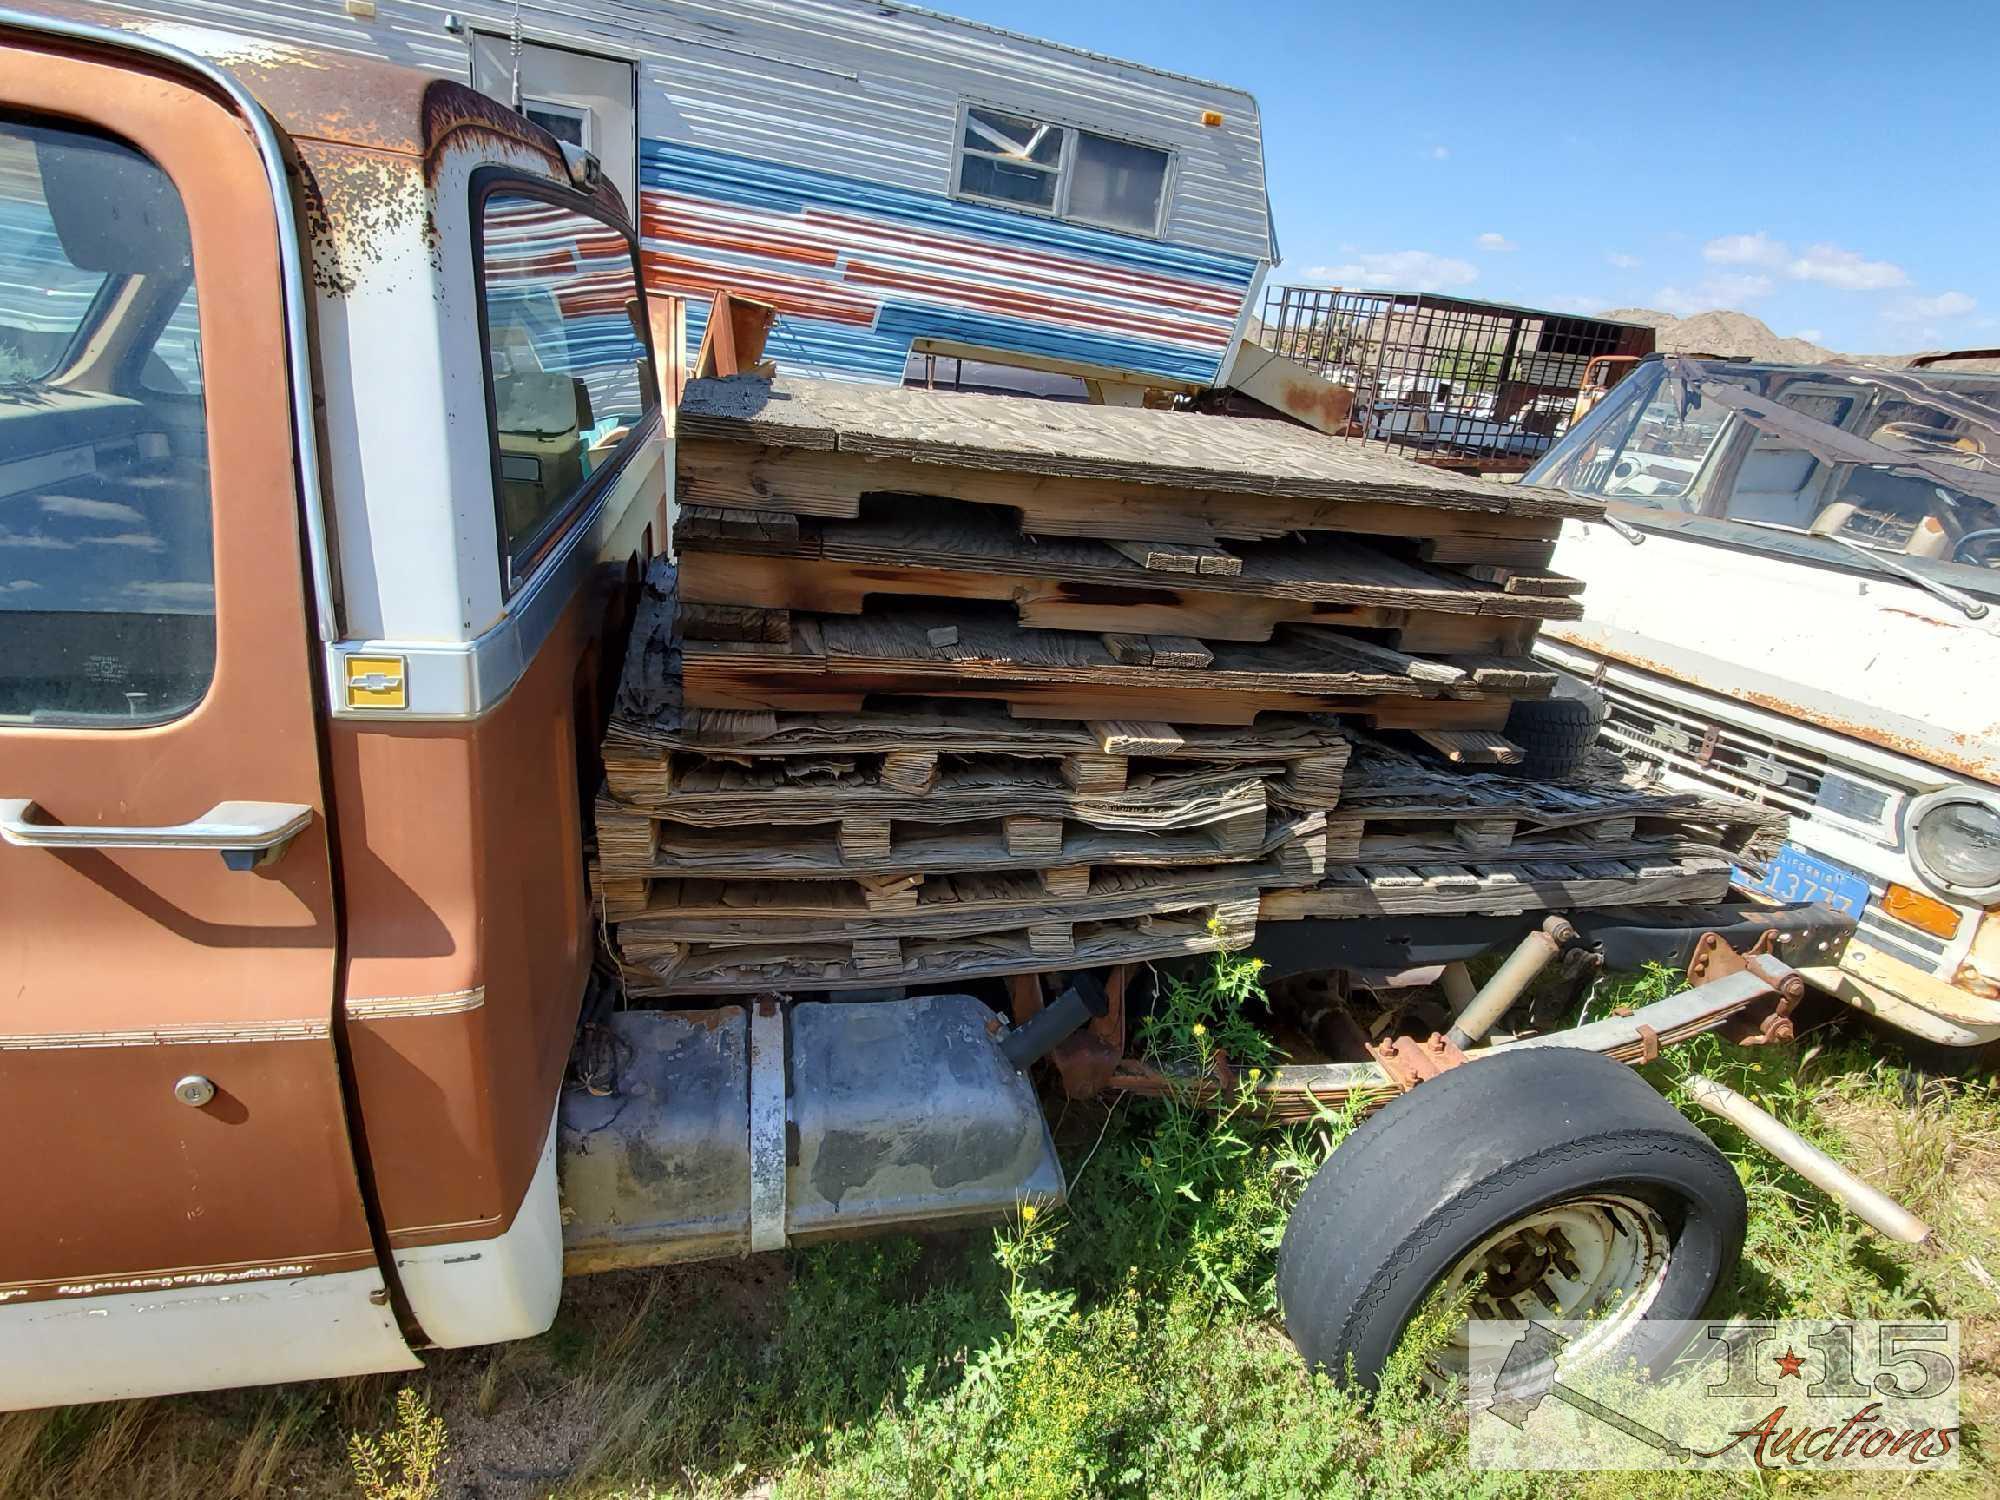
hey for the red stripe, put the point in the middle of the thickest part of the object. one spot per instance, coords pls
(800, 295)
(1016, 305)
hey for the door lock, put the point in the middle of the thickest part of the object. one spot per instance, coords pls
(194, 1090)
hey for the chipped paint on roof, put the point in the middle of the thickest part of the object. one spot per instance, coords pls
(228, 47)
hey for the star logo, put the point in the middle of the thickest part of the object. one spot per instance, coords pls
(1790, 1364)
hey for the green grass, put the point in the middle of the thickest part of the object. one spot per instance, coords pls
(1123, 1346)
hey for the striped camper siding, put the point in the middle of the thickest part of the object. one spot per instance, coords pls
(858, 272)
(804, 152)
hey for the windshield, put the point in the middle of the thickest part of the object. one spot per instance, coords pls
(1803, 463)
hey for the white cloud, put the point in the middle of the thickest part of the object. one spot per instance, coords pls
(1757, 249)
(1727, 289)
(1622, 261)
(1810, 335)
(1578, 304)
(1440, 153)
(1399, 270)
(1833, 266)
(1491, 241)
(1829, 265)
(1921, 309)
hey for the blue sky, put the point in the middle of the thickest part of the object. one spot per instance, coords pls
(1830, 167)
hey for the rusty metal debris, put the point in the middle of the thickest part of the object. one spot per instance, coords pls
(1409, 1061)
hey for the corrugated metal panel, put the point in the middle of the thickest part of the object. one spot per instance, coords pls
(802, 150)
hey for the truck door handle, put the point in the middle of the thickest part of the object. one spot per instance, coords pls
(246, 834)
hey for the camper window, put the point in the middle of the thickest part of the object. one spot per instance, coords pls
(1116, 183)
(1010, 159)
(1060, 169)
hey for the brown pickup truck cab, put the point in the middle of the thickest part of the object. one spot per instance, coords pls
(325, 404)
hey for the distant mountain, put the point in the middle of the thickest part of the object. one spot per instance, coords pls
(1724, 332)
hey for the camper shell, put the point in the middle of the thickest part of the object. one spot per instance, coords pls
(895, 182)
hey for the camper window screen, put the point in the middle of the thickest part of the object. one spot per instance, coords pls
(563, 357)
(1116, 184)
(1010, 159)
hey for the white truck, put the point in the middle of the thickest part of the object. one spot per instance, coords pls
(1813, 621)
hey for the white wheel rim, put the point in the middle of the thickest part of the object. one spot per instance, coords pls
(1599, 1258)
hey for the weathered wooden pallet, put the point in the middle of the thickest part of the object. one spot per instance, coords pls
(817, 852)
(1058, 441)
(943, 549)
(1491, 888)
(773, 481)
(869, 962)
(1067, 861)
(764, 911)
(835, 663)
(718, 794)
(1388, 791)
(910, 750)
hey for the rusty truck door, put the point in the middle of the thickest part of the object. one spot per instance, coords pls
(182, 1206)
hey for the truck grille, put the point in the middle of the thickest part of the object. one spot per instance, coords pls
(1746, 764)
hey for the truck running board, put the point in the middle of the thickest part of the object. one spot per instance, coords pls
(717, 1132)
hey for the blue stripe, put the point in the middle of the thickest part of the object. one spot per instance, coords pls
(725, 177)
(809, 346)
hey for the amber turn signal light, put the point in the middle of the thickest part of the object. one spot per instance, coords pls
(1925, 913)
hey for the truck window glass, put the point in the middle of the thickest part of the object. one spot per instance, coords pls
(563, 360)
(107, 582)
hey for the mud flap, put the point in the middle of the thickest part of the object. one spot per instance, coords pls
(713, 1132)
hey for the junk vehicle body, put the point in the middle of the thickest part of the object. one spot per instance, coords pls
(1810, 622)
(898, 184)
(334, 468)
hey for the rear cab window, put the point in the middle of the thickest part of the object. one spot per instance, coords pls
(567, 365)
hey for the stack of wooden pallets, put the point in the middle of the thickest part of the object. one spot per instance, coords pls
(950, 685)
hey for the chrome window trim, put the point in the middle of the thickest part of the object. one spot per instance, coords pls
(305, 435)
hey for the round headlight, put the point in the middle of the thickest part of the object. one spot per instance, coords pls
(1955, 840)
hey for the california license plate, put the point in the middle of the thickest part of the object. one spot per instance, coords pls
(1795, 875)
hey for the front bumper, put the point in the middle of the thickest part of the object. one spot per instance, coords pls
(1904, 996)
